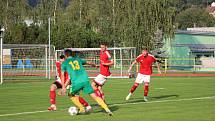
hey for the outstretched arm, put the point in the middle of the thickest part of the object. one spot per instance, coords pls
(66, 83)
(108, 64)
(90, 63)
(158, 66)
(62, 83)
(134, 62)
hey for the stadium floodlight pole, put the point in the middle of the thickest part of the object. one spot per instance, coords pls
(2, 33)
(49, 75)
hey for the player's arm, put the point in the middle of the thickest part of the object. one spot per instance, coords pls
(58, 70)
(91, 64)
(110, 60)
(62, 78)
(84, 62)
(132, 64)
(158, 65)
(66, 83)
(109, 63)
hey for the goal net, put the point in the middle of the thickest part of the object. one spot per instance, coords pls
(26, 62)
(122, 60)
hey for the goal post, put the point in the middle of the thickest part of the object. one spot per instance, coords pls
(1, 59)
(26, 61)
(123, 56)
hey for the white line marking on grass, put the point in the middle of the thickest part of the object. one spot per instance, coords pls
(159, 88)
(22, 113)
(161, 101)
(117, 104)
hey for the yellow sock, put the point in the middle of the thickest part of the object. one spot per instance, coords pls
(102, 104)
(75, 100)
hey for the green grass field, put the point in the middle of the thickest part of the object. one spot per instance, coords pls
(170, 99)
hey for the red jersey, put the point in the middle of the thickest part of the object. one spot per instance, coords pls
(146, 64)
(106, 58)
(58, 66)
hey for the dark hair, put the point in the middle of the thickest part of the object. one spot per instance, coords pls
(103, 43)
(145, 48)
(62, 56)
(68, 52)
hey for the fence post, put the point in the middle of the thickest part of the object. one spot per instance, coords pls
(1, 48)
(165, 66)
(121, 61)
(1, 66)
(194, 65)
(23, 66)
(114, 57)
(46, 59)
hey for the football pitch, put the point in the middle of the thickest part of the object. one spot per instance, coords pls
(170, 99)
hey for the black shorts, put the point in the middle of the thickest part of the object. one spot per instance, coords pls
(59, 86)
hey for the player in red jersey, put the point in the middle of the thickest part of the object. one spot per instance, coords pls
(57, 84)
(105, 62)
(146, 60)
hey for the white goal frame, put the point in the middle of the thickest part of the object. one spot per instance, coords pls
(47, 59)
(123, 73)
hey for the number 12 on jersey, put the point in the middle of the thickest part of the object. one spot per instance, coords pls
(75, 65)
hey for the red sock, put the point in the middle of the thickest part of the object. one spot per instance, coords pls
(103, 96)
(52, 96)
(146, 89)
(98, 93)
(83, 102)
(133, 88)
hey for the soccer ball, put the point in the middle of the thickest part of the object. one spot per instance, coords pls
(73, 111)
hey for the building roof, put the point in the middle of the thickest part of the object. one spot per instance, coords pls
(195, 32)
(197, 47)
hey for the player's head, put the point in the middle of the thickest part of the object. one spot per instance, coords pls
(145, 52)
(62, 58)
(68, 52)
(103, 47)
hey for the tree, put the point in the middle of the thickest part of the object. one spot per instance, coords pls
(137, 22)
(85, 23)
(194, 16)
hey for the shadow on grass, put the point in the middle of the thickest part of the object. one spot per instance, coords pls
(156, 97)
(164, 96)
(136, 100)
(113, 108)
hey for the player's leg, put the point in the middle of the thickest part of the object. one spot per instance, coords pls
(95, 88)
(97, 85)
(75, 98)
(101, 102)
(85, 104)
(101, 92)
(89, 90)
(82, 100)
(138, 81)
(52, 94)
(133, 88)
(146, 86)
